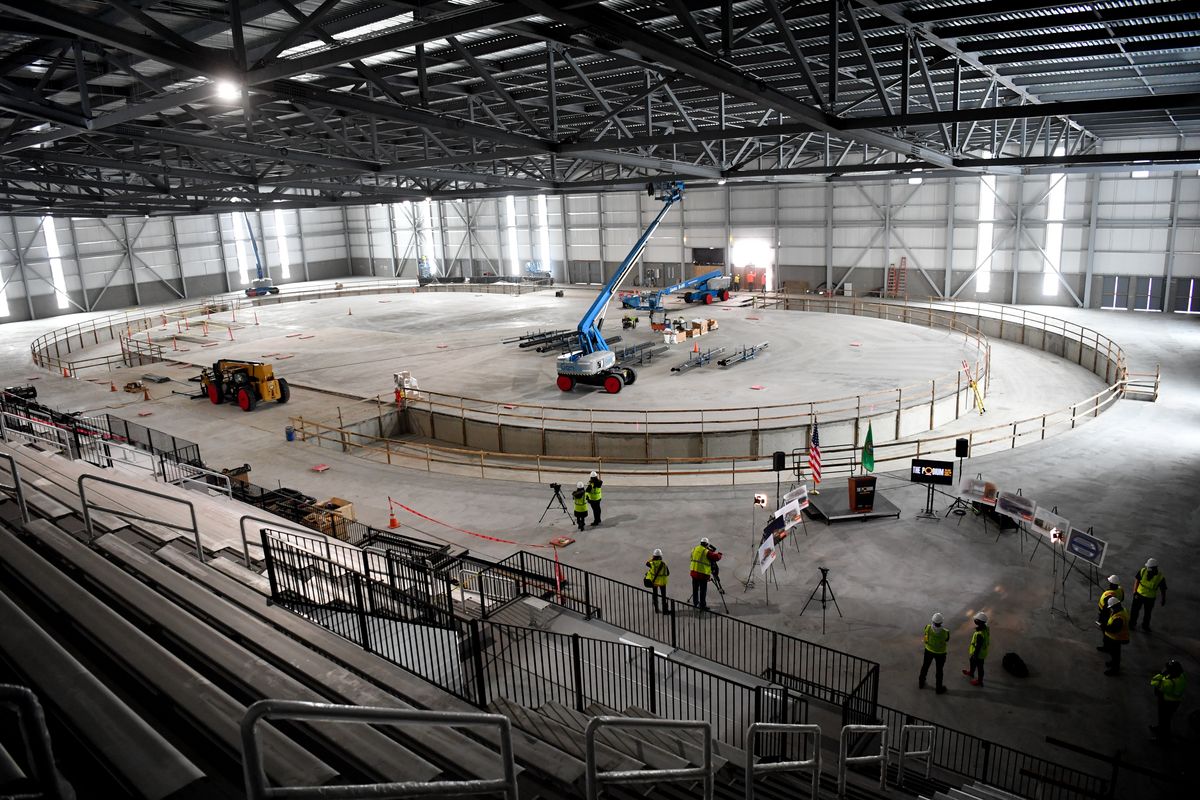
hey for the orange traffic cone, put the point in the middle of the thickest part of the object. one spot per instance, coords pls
(66, 372)
(145, 393)
(696, 347)
(112, 387)
(174, 343)
(392, 521)
(349, 312)
(230, 334)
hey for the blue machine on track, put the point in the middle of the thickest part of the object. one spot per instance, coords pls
(261, 285)
(594, 363)
(709, 287)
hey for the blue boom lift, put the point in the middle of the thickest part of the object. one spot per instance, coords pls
(262, 285)
(594, 363)
(710, 286)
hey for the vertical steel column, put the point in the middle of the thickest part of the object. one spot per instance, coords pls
(470, 238)
(566, 239)
(887, 231)
(1016, 267)
(1089, 261)
(600, 230)
(137, 295)
(370, 239)
(178, 258)
(300, 239)
(391, 210)
(500, 237)
(221, 247)
(79, 261)
(1169, 265)
(346, 237)
(20, 254)
(828, 233)
(947, 276)
(641, 262)
(441, 208)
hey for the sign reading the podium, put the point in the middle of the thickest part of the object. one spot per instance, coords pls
(1086, 546)
(862, 493)
(935, 472)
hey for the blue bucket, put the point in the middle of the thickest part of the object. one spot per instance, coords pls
(290, 433)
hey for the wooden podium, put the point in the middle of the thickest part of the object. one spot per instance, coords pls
(862, 493)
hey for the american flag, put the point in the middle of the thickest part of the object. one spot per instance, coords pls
(814, 455)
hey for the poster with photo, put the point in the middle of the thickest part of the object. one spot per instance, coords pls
(977, 490)
(766, 554)
(774, 528)
(1048, 523)
(1088, 546)
(1019, 507)
(799, 494)
(791, 514)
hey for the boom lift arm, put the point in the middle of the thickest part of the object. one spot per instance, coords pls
(594, 363)
(712, 284)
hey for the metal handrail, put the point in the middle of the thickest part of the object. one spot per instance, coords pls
(806, 731)
(198, 474)
(844, 759)
(905, 753)
(87, 516)
(256, 778)
(595, 777)
(39, 755)
(16, 487)
(275, 525)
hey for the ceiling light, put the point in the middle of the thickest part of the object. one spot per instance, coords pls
(1140, 173)
(720, 181)
(228, 90)
(916, 180)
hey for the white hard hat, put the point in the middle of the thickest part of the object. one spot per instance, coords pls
(593, 475)
(704, 540)
(1151, 562)
(936, 619)
(657, 552)
(1112, 601)
(579, 485)
(1113, 579)
(981, 617)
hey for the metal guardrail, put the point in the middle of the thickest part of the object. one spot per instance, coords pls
(185, 475)
(256, 777)
(275, 526)
(690, 774)
(16, 488)
(845, 759)
(807, 732)
(39, 755)
(913, 731)
(88, 507)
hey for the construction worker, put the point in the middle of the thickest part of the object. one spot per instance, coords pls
(937, 641)
(1116, 634)
(737, 281)
(1114, 590)
(657, 575)
(594, 494)
(704, 556)
(1146, 587)
(579, 496)
(977, 650)
(1168, 688)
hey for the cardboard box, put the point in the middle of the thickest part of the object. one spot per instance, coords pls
(339, 506)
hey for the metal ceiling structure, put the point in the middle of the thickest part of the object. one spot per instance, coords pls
(194, 106)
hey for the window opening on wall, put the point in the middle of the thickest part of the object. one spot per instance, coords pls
(543, 231)
(1056, 206)
(281, 244)
(1148, 295)
(241, 232)
(1187, 296)
(57, 278)
(4, 310)
(984, 229)
(428, 236)
(510, 234)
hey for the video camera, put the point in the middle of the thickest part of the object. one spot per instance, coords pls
(556, 487)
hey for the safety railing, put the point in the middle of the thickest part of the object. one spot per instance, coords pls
(43, 780)
(16, 488)
(973, 758)
(596, 779)
(191, 476)
(320, 542)
(925, 751)
(810, 736)
(846, 746)
(88, 507)
(257, 787)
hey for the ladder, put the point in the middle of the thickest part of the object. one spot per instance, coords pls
(897, 280)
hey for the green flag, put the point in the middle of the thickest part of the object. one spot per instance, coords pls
(868, 451)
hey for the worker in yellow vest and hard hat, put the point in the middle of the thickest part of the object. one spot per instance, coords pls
(1116, 634)
(704, 555)
(594, 495)
(1168, 688)
(656, 578)
(579, 498)
(977, 650)
(1150, 581)
(1114, 590)
(937, 641)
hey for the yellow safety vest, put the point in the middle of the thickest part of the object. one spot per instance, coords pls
(700, 562)
(936, 639)
(1123, 634)
(580, 499)
(658, 572)
(1171, 688)
(980, 640)
(1118, 593)
(593, 489)
(1148, 586)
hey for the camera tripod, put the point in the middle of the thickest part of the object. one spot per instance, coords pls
(827, 596)
(716, 576)
(557, 487)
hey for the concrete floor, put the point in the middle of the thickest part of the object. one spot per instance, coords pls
(1131, 474)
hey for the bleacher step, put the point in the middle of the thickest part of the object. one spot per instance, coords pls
(648, 754)
(561, 736)
(663, 738)
(726, 751)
